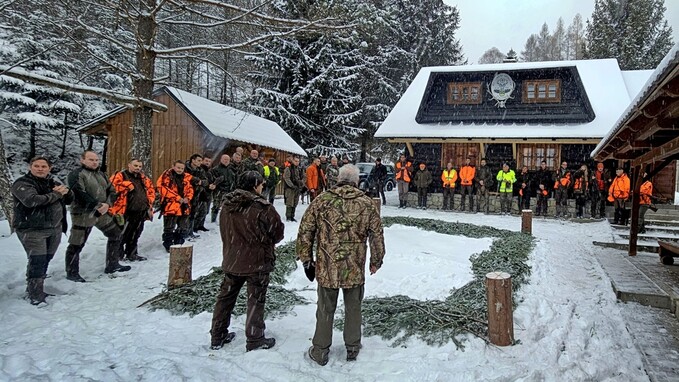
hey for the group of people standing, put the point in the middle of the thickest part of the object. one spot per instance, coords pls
(475, 184)
(119, 206)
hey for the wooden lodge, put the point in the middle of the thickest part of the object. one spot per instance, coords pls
(191, 125)
(647, 134)
(520, 113)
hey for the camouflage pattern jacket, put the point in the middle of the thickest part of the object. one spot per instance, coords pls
(337, 224)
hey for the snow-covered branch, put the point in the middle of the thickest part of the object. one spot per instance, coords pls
(82, 89)
(218, 23)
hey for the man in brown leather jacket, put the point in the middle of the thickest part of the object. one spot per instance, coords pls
(250, 228)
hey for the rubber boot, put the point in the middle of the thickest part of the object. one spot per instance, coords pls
(168, 240)
(113, 258)
(213, 217)
(34, 291)
(73, 263)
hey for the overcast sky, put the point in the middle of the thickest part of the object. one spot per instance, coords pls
(507, 24)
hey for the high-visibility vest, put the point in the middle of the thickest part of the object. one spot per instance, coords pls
(402, 172)
(467, 174)
(619, 188)
(565, 181)
(645, 193)
(267, 171)
(449, 177)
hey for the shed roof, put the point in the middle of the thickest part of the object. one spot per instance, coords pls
(222, 121)
(607, 87)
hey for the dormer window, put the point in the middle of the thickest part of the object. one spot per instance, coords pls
(542, 91)
(464, 93)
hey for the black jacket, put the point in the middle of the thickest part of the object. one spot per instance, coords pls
(524, 178)
(379, 173)
(36, 206)
(223, 177)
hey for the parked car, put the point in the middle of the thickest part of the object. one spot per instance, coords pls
(367, 184)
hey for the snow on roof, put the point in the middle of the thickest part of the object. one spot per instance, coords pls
(602, 79)
(635, 80)
(670, 61)
(230, 123)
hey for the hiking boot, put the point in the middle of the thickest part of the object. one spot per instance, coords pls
(218, 344)
(264, 343)
(352, 354)
(321, 359)
(75, 278)
(201, 229)
(117, 268)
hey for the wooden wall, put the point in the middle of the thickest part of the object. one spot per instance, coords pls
(175, 137)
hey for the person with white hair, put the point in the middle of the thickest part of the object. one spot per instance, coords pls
(338, 223)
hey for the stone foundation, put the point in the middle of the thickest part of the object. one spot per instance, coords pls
(435, 201)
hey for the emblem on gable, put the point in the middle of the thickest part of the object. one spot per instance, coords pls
(501, 88)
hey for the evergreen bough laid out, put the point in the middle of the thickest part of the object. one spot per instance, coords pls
(201, 294)
(465, 309)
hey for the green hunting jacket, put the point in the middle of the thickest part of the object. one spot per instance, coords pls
(337, 225)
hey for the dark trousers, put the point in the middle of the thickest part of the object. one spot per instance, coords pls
(226, 301)
(506, 202)
(620, 217)
(379, 188)
(561, 195)
(422, 197)
(40, 246)
(175, 230)
(580, 201)
(325, 314)
(643, 208)
(524, 202)
(599, 203)
(541, 207)
(448, 198)
(482, 199)
(466, 190)
(80, 230)
(269, 194)
(134, 225)
(198, 212)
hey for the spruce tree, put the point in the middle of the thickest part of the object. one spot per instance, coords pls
(634, 32)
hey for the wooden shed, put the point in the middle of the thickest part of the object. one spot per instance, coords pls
(192, 124)
(647, 134)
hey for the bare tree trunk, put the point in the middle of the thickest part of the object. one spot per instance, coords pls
(5, 185)
(63, 139)
(142, 86)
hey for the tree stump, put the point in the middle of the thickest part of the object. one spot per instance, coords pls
(500, 319)
(181, 260)
(378, 204)
(527, 221)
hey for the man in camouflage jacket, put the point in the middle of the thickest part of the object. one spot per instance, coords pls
(337, 224)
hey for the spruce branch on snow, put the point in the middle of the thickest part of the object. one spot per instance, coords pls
(200, 295)
(464, 311)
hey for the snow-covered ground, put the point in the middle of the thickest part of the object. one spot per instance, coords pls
(568, 323)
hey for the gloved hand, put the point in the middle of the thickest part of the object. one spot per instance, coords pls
(310, 269)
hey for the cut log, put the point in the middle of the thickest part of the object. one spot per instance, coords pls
(181, 261)
(527, 221)
(500, 319)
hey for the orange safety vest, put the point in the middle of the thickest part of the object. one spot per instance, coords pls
(449, 178)
(645, 193)
(467, 174)
(169, 196)
(565, 181)
(619, 188)
(578, 184)
(402, 172)
(123, 186)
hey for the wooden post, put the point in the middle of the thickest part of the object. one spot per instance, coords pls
(378, 204)
(181, 260)
(500, 320)
(634, 216)
(527, 221)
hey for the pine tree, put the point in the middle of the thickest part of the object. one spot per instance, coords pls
(558, 42)
(544, 44)
(634, 32)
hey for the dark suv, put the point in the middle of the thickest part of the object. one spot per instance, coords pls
(368, 185)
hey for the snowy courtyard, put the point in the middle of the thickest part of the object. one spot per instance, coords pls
(568, 323)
